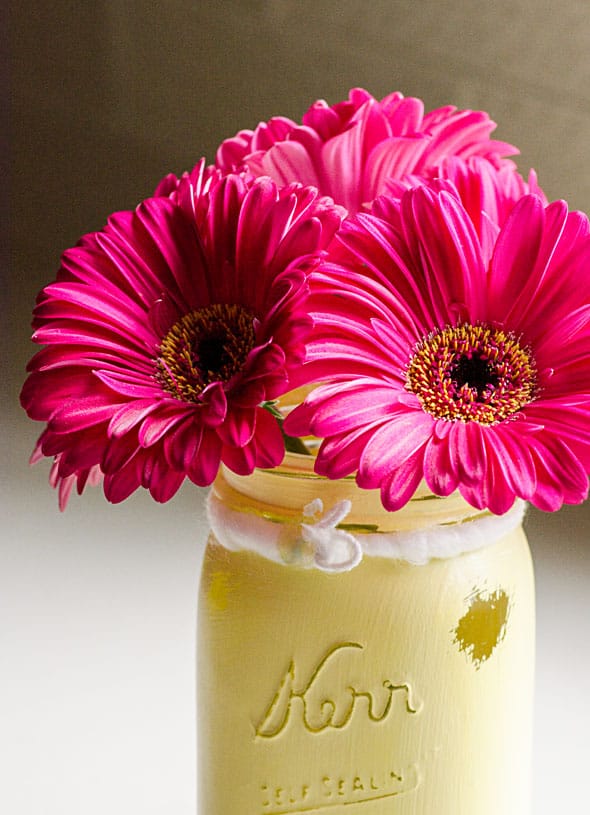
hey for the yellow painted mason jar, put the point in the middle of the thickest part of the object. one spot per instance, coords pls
(358, 662)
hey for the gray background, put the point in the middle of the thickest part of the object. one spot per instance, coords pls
(97, 606)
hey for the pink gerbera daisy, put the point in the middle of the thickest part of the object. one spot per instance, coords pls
(166, 331)
(445, 364)
(349, 150)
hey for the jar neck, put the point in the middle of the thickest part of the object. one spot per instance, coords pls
(294, 517)
(283, 493)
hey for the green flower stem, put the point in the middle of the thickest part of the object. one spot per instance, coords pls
(293, 444)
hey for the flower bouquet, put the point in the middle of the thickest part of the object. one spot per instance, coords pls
(372, 336)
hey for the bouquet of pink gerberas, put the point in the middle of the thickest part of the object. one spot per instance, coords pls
(393, 259)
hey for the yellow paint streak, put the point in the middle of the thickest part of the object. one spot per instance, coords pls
(217, 595)
(483, 627)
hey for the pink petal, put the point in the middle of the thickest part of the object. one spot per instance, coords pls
(174, 239)
(391, 445)
(270, 446)
(129, 415)
(242, 460)
(561, 476)
(516, 253)
(214, 403)
(468, 452)
(110, 309)
(44, 394)
(351, 409)
(136, 386)
(289, 161)
(509, 448)
(119, 453)
(82, 414)
(156, 426)
(164, 483)
(340, 454)
(182, 445)
(452, 263)
(205, 464)
(121, 484)
(439, 472)
(400, 485)
(238, 428)
(392, 158)
(262, 222)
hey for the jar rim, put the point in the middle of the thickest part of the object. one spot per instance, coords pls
(282, 494)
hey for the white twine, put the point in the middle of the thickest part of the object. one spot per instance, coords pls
(318, 543)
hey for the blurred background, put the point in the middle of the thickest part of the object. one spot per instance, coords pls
(97, 606)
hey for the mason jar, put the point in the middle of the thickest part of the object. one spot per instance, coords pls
(353, 660)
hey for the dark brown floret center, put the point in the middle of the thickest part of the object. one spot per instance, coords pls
(207, 345)
(475, 372)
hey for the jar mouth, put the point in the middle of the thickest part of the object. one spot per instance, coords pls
(282, 495)
(298, 465)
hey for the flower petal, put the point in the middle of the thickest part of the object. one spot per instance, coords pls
(391, 445)
(401, 484)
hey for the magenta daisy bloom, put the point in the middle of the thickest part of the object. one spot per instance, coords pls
(442, 364)
(166, 331)
(349, 150)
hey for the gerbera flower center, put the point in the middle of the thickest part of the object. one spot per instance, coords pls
(472, 373)
(207, 345)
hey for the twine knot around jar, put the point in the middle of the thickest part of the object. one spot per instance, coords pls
(334, 550)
